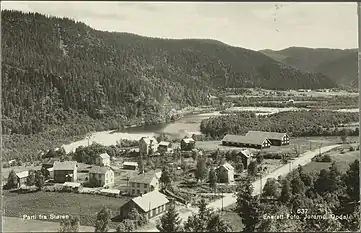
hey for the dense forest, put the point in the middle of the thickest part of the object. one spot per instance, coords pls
(296, 123)
(55, 70)
(338, 64)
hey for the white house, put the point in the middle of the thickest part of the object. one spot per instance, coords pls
(143, 183)
(104, 176)
(146, 144)
(103, 160)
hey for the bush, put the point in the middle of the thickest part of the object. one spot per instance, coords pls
(352, 148)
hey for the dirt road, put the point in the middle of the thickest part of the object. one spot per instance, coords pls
(230, 199)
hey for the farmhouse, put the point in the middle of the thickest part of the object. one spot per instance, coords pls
(101, 176)
(147, 145)
(130, 165)
(22, 177)
(225, 173)
(65, 171)
(151, 204)
(143, 183)
(187, 144)
(165, 147)
(246, 157)
(102, 160)
(276, 139)
(246, 141)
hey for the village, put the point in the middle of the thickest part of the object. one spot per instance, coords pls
(148, 190)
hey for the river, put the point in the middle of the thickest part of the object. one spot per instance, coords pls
(187, 125)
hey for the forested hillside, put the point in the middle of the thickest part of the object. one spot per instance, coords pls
(338, 64)
(57, 71)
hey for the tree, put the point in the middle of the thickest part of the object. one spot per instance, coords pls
(252, 168)
(166, 177)
(30, 180)
(297, 185)
(270, 189)
(286, 192)
(121, 227)
(343, 139)
(170, 222)
(201, 168)
(69, 225)
(213, 178)
(141, 165)
(239, 167)
(39, 179)
(137, 218)
(247, 206)
(129, 225)
(103, 220)
(45, 172)
(352, 181)
(217, 224)
(12, 180)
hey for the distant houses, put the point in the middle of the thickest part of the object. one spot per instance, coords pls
(22, 176)
(164, 147)
(276, 139)
(147, 144)
(246, 157)
(102, 160)
(66, 171)
(143, 183)
(246, 141)
(103, 176)
(151, 205)
(225, 173)
(187, 144)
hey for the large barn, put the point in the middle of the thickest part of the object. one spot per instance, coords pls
(246, 141)
(276, 139)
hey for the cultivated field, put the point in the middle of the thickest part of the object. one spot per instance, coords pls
(83, 205)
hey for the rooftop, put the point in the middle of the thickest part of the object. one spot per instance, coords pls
(246, 153)
(144, 178)
(130, 164)
(250, 139)
(99, 170)
(150, 200)
(228, 166)
(104, 156)
(163, 143)
(22, 174)
(149, 140)
(66, 165)
(269, 135)
(188, 140)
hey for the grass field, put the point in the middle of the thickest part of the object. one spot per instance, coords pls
(83, 205)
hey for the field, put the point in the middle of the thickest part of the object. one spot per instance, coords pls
(83, 205)
(342, 160)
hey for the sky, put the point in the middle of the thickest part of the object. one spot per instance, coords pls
(254, 25)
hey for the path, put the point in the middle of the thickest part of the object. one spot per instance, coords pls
(229, 198)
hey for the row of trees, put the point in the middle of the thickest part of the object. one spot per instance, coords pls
(36, 178)
(296, 123)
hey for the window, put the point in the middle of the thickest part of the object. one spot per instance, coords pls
(145, 186)
(138, 191)
(133, 185)
(133, 191)
(138, 185)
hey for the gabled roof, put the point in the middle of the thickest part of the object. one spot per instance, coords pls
(22, 174)
(144, 178)
(269, 135)
(104, 156)
(130, 164)
(99, 170)
(188, 140)
(227, 166)
(163, 143)
(66, 165)
(254, 140)
(150, 200)
(149, 140)
(246, 153)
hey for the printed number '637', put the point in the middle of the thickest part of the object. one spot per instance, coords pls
(302, 211)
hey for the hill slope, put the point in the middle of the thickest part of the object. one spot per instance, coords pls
(56, 71)
(340, 65)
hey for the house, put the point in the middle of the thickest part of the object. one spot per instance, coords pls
(164, 147)
(65, 171)
(51, 173)
(246, 157)
(130, 165)
(187, 144)
(147, 145)
(22, 177)
(225, 173)
(276, 139)
(151, 205)
(102, 160)
(102, 176)
(143, 183)
(246, 141)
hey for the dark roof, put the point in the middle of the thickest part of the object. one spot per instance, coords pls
(269, 135)
(254, 140)
(144, 178)
(99, 170)
(66, 165)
